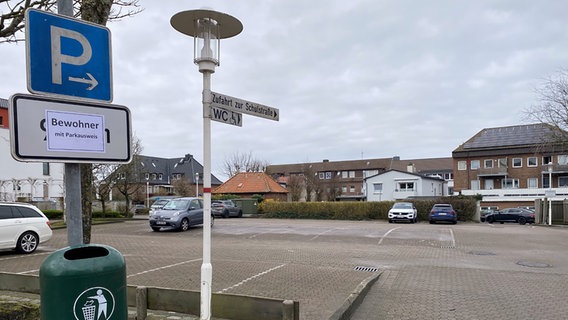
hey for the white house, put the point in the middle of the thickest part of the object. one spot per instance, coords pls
(28, 181)
(397, 185)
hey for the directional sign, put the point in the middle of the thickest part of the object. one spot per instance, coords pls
(234, 104)
(226, 116)
(67, 56)
(58, 130)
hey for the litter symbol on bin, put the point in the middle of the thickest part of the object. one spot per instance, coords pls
(95, 303)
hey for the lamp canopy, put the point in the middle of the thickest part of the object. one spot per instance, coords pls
(184, 22)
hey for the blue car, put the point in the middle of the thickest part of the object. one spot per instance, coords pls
(443, 212)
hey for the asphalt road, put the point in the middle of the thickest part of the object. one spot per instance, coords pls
(442, 271)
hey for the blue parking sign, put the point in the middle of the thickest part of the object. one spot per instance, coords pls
(66, 56)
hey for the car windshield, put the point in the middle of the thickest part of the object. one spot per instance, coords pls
(176, 204)
(402, 205)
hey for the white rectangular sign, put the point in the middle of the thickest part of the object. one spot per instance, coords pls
(238, 105)
(72, 131)
(47, 129)
(226, 116)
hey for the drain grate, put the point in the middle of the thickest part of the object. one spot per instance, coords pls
(366, 269)
(482, 253)
(533, 264)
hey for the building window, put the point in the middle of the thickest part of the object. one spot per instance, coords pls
(546, 160)
(122, 175)
(1, 121)
(328, 175)
(545, 182)
(563, 159)
(377, 188)
(502, 163)
(488, 164)
(344, 189)
(532, 162)
(474, 164)
(147, 176)
(46, 168)
(462, 165)
(351, 174)
(344, 174)
(406, 186)
(321, 175)
(160, 176)
(368, 173)
(352, 189)
(517, 162)
(562, 182)
(474, 184)
(532, 183)
(508, 183)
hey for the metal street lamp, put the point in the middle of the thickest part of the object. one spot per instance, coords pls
(207, 27)
(197, 184)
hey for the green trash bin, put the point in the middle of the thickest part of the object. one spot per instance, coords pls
(86, 282)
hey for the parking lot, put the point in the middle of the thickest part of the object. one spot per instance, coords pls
(442, 271)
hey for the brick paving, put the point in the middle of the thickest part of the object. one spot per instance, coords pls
(467, 271)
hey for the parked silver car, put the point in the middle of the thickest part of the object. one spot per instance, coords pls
(225, 209)
(179, 214)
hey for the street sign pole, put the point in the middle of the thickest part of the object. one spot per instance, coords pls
(73, 210)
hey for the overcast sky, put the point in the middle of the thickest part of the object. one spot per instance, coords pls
(352, 79)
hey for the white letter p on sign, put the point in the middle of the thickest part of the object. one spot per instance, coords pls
(57, 58)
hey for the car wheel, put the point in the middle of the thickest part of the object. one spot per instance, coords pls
(455, 222)
(226, 214)
(184, 226)
(240, 214)
(155, 229)
(502, 222)
(27, 243)
(411, 221)
(522, 220)
(490, 220)
(432, 221)
(390, 221)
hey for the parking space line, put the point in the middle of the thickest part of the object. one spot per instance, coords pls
(164, 267)
(386, 234)
(251, 278)
(453, 238)
(322, 233)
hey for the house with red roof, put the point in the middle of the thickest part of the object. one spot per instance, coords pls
(247, 184)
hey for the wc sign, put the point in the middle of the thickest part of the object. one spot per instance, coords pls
(66, 56)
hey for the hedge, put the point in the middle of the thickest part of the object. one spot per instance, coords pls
(464, 206)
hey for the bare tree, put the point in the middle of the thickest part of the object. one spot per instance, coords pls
(12, 13)
(127, 178)
(183, 187)
(243, 162)
(552, 109)
(295, 186)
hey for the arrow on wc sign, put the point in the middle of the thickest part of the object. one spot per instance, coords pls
(67, 56)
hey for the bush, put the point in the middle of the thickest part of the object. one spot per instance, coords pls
(464, 206)
(53, 214)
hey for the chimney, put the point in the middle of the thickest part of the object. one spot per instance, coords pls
(396, 158)
(411, 168)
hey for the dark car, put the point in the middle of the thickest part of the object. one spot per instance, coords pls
(180, 214)
(485, 211)
(517, 215)
(225, 209)
(443, 212)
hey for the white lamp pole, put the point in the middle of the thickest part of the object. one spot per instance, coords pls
(207, 28)
(550, 193)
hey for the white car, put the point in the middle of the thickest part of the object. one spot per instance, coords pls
(403, 211)
(22, 227)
